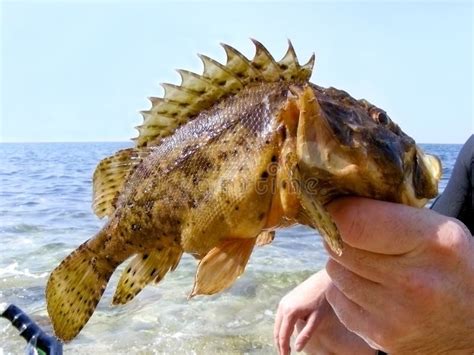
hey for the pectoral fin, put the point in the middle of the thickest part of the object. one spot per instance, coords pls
(313, 212)
(222, 265)
(315, 215)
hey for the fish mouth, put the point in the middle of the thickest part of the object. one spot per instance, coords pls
(421, 182)
(427, 172)
(433, 164)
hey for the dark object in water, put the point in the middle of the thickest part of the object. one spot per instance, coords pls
(33, 334)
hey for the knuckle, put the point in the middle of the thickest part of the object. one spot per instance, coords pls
(452, 239)
(457, 235)
(283, 305)
(287, 309)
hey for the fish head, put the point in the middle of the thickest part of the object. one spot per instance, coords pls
(354, 148)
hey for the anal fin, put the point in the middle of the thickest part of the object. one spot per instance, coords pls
(144, 269)
(222, 265)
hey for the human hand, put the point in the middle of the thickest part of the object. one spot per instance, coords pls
(319, 330)
(330, 336)
(405, 279)
(304, 302)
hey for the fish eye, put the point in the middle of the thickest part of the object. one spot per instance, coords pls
(383, 118)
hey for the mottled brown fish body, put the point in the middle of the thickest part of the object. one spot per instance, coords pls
(221, 162)
(213, 187)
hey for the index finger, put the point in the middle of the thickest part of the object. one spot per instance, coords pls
(383, 227)
(276, 328)
(287, 327)
(282, 331)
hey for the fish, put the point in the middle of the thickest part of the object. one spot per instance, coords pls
(223, 160)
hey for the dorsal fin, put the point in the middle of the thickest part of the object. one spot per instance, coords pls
(197, 93)
(265, 64)
(110, 176)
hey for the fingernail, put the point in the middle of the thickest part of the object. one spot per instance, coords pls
(298, 347)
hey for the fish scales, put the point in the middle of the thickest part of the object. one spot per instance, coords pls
(211, 160)
(222, 161)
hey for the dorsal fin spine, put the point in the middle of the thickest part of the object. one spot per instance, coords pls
(220, 75)
(178, 93)
(171, 108)
(265, 63)
(233, 55)
(196, 93)
(197, 82)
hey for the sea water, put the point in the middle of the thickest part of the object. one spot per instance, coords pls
(45, 213)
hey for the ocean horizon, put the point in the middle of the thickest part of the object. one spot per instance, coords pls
(126, 141)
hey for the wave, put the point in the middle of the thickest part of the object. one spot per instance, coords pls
(22, 228)
(12, 270)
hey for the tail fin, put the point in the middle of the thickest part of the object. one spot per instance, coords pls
(74, 289)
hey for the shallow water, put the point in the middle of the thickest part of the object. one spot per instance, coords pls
(45, 213)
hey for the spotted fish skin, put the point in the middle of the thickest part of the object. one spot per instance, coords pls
(205, 188)
(215, 174)
(208, 183)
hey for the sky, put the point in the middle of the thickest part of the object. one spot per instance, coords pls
(82, 70)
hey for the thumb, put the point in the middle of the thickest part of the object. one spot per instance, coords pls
(383, 227)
